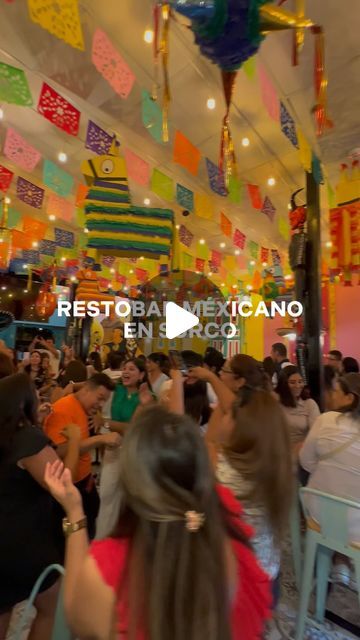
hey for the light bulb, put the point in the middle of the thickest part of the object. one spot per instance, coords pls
(253, 263)
(222, 245)
(52, 217)
(201, 241)
(329, 244)
(249, 287)
(271, 182)
(86, 230)
(222, 284)
(131, 271)
(264, 264)
(25, 266)
(210, 274)
(35, 244)
(1, 113)
(245, 142)
(178, 226)
(7, 200)
(147, 202)
(289, 206)
(237, 252)
(211, 103)
(142, 258)
(149, 36)
(62, 157)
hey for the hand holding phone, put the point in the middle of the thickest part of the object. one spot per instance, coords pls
(177, 362)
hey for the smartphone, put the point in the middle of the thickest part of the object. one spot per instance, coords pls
(177, 362)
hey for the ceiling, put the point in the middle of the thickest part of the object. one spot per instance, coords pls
(192, 80)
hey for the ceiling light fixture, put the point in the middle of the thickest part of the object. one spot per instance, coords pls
(86, 230)
(201, 241)
(264, 264)
(52, 217)
(222, 284)
(237, 252)
(7, 200)
(178, 226)
(252, 263)
(211, 103)
(289, 206)
(35, 244)
(329, 244)
(148, 36)
(249, 287)
(222, 245)
(1, 113)
(245, 142)
(271, 182)
(147, 202)
(62, 157)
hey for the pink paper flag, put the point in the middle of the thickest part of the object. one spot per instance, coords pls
(20, 152)
(60, 207)
(215, 258)
(111, 65)
(269, 96)
(239, 239)
(138, 170)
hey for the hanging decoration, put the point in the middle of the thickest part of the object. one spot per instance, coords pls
(113, 222)
(46, 302)
(58, 110)
(235, 190)
(322, 119)
(161, 50)
(269, 96)
(186, 154)
(204, 207)
(264, 255)
(34, 228)
(111, 65)
(288, 126)
(305, 153)
(185, 236)
(57, 179)
(47, 247)
(151, 116)
(184, 197)
(137, 168)
(20, 152)
(14, 86)
(255, 196)
(239, 239)
(225, 225)
(97, 139)
(216, 178)
(162, 185)
(253, 249)
(5, 237)
(6, 177)
(61, 19)
(268, 208)
(60, 207)
(29, 193)
(64, 238)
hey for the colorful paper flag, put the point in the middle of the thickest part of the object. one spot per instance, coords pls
(331, 196)
(58, 110)
(305, 153)
(316, 170)
(276, 260)
(264, 255)
(34, 228)
(20, 152)
(202, 251)
(152, 117)
(141, 274)
(268, 208)
(111, 65)
(29, 193)
(64, 238)
(57, 179)
(60, 208)
(255, 196)
(288, 125)
(20, 240)
(269, 95)
(184, 197)
(61, 19)
(239, 239)
(6, 177)
(137, 168)
(249, 67)
(185, 236)
(31, 257)
(216, 258)
(187, 260)
(204, 206)
(216, 178)
(284, 229)
(97, 139)
(81, 195)
(13, 218)
(47, 247)
(235, 190)
(186, 154)
(253, 249)
(199, 265)
(162, 185)
(108, 261)
(225, 225)
(14, 86)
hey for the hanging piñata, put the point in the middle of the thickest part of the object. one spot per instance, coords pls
(112, 221)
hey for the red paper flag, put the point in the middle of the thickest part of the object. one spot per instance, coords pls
(225, 225)
(6, 177)
(199, 265)
(141, 274)
(20, 240)
(186, 154)
(58, 110)
(239, 239)
(255, 196)
(264, 254)
(216, 258)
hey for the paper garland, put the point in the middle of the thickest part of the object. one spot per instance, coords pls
(151, 116)
(97, 140)
(276, 260)
(284, 228)
(60, 208)
(316, 170)
(20, 152)
(138, 170)
(253, 249)
(264, 254)
(13, 218)
(58, 110)
(225, 225)
(186, 154)
(29, 193)
(111, 65)
(288, 126)
(162, 185)
(81, 195)
(239, 239)
(184, 197)
(20, 240)
(204, 207)
(6, 177)
(249, 67)
(33, 228)
(61, 19)
(269, 95)
(305, 154)
(47, 247)
(64, 238)
(216, 178)
(255, 196)
(14, 86)
(199, 265)
(31, 257)
(56, 179)
(268, 208)
(235, 190)
(185, 236)
(215, 258)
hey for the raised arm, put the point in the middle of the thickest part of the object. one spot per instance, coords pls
(225, 396)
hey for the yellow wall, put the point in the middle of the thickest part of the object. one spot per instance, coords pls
(254, 332)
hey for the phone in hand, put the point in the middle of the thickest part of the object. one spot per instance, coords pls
(177, 362)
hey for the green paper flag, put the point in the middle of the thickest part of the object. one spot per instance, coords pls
(188, 260)
(253, 248)
(13, 218)
(56, 179)
(14, 86)
(152, 116)
(63, 252)
(202, 251)
(80, 217)
(331, 196)
(284, 230)
(162, 185)
(235, 190)
(250, 67)
(82, 240)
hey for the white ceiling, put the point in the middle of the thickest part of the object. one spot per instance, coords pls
(193, 80)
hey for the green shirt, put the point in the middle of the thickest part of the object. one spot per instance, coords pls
(124, 404)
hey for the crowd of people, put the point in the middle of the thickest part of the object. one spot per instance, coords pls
(181, 533)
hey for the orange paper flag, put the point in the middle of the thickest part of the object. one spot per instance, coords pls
(225, 225)
(34, 228)
(186, 154)
(21, 240)
(81, 194)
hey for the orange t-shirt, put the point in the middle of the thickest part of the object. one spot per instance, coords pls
(68, 410)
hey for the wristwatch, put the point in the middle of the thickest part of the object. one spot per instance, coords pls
(72, 527)
(106, 425)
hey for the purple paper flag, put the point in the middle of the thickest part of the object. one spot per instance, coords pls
(216, 178)
(64, 238)
(47, 247)
(268, 208)
(29, 193)
(97, 140)
(31, 257)
(288, 126)
(108, 261)
(276, 259)
(185, 236)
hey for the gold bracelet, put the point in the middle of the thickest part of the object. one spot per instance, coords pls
(71, 527)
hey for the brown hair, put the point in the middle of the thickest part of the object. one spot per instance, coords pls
(6, 366)
(259, 449)
(243, 366)
(176, 580)
(350, 383)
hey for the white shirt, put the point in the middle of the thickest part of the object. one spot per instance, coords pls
(338, 475)
(54, 362)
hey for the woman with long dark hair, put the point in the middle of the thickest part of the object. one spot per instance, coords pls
(178, 565)
(300, 414)
(35, 370)
(27, 542)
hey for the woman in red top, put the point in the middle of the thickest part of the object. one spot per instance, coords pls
(179, 566)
